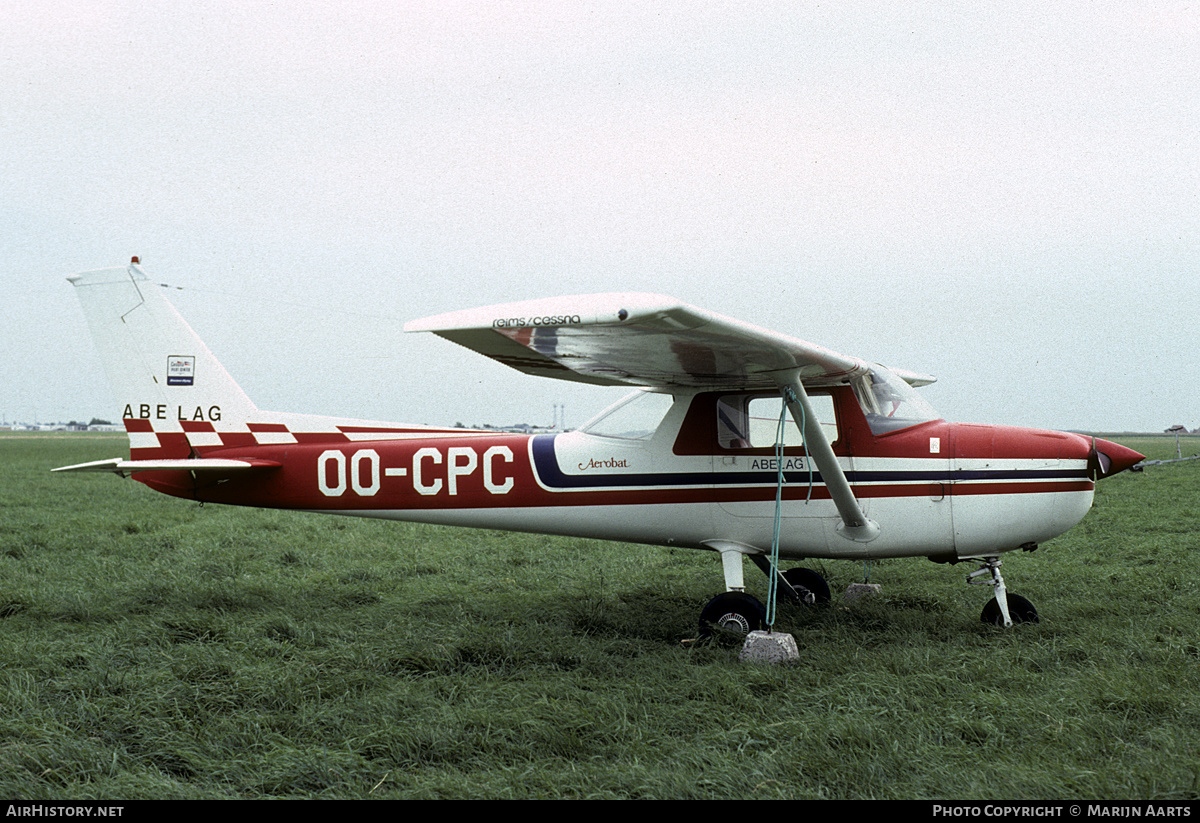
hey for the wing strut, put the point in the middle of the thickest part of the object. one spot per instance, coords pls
(855, 524)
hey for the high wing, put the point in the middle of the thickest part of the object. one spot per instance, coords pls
(639, 340)
(650, 340)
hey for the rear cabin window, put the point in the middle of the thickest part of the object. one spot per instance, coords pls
(635, 417)
(751, 421)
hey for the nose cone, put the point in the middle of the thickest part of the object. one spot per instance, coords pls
(1108, 458)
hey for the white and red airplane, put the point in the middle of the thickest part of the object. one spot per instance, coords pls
(689, 459)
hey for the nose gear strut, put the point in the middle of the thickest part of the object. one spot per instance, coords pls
(1004, 609)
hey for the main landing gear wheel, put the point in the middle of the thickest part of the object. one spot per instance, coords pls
(1019, 609)
(733, 615)
(809, 586)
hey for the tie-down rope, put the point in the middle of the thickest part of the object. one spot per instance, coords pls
(789, 396)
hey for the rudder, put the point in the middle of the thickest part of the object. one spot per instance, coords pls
(165, 379)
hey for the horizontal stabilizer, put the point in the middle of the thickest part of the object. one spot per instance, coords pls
(211, 465)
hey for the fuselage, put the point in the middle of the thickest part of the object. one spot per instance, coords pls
(698, 472)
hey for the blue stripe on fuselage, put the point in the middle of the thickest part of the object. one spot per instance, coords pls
(545, 464)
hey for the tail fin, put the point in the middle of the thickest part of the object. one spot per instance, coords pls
(165, 379)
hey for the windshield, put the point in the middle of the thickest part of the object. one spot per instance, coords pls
(635, 417)
(889, 403)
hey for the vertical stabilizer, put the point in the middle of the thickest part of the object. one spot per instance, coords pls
(165, 379)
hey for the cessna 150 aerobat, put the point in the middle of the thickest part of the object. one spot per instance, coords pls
(690, 459)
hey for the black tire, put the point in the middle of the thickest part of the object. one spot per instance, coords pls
(809, 585)
(733, 615)
(1019, 609)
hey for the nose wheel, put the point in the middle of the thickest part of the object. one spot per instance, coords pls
(1020, 610)
(1004, 609)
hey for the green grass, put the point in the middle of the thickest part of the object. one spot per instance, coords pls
(152, 648)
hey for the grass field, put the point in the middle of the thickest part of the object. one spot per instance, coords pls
(152, 648)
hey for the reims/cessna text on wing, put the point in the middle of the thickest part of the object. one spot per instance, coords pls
(689, 459)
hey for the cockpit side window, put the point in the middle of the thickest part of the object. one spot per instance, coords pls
(751, 421)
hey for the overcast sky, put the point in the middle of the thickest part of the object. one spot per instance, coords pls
(1005, 195)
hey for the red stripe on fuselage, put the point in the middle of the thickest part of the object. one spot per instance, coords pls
(324, 472)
